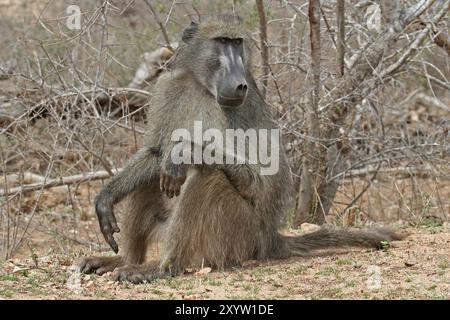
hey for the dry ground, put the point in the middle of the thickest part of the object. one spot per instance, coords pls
(417, 268)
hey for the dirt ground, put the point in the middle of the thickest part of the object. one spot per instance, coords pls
(416, 268)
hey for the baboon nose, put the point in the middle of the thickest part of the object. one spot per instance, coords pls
(241, 89)
(232, 92)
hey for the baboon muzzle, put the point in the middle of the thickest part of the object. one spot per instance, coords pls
(232, 87)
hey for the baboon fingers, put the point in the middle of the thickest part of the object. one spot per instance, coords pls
(180, 181)
(105, 226)
(99, 265)
(108, 223)
(175, 187)
(88, 265)
(130, 276)
(113, 244)
(87, 268)
(108, 235)
(162, 177)
(171, 185)
(135, 274)
(167, 183)
(113, 223)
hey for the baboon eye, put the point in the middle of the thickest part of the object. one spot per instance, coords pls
(237, 42)
(221, 40)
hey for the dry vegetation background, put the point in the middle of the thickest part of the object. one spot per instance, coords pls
(72, 112)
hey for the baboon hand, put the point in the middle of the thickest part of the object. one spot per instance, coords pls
(107, 220)
(171, 179)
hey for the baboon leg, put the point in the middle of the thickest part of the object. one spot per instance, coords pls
(145, 216)
(211, 225)
(145, 213)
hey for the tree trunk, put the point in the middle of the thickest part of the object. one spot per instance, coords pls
(313, 167)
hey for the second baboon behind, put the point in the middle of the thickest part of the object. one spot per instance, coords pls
(210, 214)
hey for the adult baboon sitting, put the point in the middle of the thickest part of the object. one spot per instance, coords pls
(216, 214)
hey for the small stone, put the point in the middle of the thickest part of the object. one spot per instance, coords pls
(410, 263)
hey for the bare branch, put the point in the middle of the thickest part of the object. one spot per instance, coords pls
(340, 14)
(264, 45)
(424, 171)
(160, 23)
(62, 181)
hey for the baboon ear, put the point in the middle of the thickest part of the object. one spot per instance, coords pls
(189, 32)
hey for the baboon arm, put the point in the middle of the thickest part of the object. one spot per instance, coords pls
(244, 178)
(141, 171)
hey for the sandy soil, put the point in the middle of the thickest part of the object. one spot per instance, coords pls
(416, 268)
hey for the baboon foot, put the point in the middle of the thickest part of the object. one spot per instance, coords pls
(99, 265)
(137, 274)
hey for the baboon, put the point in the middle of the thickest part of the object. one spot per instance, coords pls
(219, 215)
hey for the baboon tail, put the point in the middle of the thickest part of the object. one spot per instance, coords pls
(337, 238)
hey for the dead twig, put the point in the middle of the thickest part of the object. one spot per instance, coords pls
(160, 23)
(264, 45)
(62, 181)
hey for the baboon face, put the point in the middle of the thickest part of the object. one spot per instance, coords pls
(230, 83)
(219, 61)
